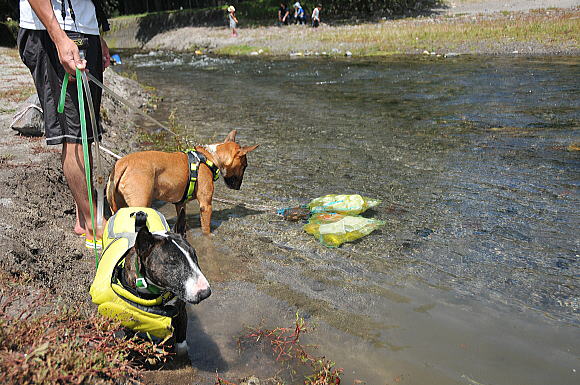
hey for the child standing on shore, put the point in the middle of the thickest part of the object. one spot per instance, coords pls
(299, 15)
(316, 16)
(233, 20)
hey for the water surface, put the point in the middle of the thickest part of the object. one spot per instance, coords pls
(474, 278)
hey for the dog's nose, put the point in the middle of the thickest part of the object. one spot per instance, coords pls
(200, 296)
(204, 294)
(197, 290)
(233, 182)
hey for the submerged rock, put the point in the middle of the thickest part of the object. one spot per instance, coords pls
(252, 380)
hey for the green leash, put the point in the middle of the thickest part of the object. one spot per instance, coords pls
(85, 142)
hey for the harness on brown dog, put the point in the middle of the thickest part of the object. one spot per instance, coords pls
(195, 159)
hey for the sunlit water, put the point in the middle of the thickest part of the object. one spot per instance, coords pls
(474, 278)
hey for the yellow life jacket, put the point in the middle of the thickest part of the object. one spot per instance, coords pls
(140, 313)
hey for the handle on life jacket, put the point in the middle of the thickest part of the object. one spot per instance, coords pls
(140, 220)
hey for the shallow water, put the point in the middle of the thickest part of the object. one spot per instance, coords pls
(474, 278)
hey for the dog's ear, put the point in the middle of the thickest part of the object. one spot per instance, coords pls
(244, 150)
(231, 136)
(144, 241)
(179, 227)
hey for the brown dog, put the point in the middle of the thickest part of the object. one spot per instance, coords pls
(140, 177)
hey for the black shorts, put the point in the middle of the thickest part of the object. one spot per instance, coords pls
(39, 54)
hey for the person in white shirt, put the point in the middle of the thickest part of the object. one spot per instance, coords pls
(51, 33)
(233, 20)
(316, 16)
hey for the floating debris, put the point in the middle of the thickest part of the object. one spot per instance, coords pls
(347, 204)
(333, 219)
(333, 229)
(295, 214)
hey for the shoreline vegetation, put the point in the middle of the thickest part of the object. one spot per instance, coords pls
(552, 31)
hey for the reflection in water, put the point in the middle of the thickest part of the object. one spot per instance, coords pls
(475, 163)
(204, 353)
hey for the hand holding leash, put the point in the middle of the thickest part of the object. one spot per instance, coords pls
(69, 56)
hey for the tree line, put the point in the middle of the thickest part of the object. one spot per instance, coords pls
(335, 8)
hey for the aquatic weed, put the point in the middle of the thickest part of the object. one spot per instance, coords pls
(286, 347)
(162, 140)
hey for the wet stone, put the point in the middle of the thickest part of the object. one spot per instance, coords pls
(424, 232)
(317, 286)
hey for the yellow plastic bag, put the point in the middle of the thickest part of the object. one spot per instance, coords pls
(348, 204)
(334, 229)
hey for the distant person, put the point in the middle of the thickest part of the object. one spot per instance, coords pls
(233, 20)
(299, 14)
(283, 14)
(316, 16)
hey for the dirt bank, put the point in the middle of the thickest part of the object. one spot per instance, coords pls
(36, 208)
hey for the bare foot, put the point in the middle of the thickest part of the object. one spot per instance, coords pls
(79, 230)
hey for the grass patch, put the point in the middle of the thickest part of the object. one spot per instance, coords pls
(63, 346)
(18, 94)
(129, 74)
(417, 34)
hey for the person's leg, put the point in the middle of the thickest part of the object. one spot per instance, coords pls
(74, 173)
(72, 154)
(79, 228)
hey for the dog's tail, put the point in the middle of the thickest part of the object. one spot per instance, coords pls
(111, 190)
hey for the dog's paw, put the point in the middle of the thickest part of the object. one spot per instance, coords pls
(181, 348)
